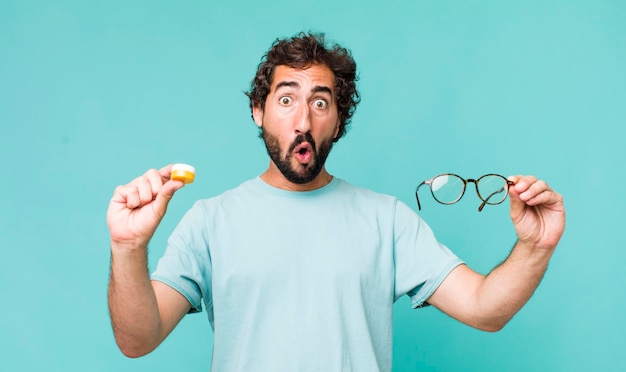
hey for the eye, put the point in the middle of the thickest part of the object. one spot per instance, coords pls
(285, 100)
(320, 103)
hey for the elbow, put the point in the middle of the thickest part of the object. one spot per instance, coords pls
(492, 328)
(132, 352)
(492, 325)
(135, 343)
(133, 349)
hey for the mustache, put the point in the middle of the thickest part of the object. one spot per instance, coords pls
(303, 137)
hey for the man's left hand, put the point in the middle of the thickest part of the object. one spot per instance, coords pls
(537, 212)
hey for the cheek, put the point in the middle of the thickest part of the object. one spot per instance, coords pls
(280, 120)
(328, 125)
(277, 137)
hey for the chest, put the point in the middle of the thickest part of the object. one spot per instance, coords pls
(289, 253)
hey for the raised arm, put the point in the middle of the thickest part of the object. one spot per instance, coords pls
(142, 312)
(489, 302)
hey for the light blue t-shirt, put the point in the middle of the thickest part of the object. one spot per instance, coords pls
(302, 281)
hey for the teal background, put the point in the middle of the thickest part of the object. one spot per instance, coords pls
(93, 93)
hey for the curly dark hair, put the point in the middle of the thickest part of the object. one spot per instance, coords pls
(301, 51)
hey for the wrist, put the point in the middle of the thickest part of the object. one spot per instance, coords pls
(129, 242)
(128, 247)
(129, 260)
(532, 254)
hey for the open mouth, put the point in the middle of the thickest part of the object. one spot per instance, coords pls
(303, 153)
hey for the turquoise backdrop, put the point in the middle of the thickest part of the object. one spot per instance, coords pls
(93, 93)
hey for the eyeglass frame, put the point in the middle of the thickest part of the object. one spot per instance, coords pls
(465, 182)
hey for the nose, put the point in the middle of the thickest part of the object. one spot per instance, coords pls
(303, 120)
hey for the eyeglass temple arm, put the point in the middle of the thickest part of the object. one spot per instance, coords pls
(482, 205)
(419, 206)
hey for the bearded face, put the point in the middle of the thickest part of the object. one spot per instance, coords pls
(303, 161)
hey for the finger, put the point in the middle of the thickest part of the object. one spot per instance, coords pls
(546, 197)
(513, 192)
(155, 180)
(523, 183)
(165, 173)
(514, 179)
(164, 196)
(127, 195)
(148, 186)
(146, 194)
(534, 189)
(517, 205)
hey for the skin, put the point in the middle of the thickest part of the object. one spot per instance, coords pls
(489, 302)
(301, 102)
(142, 312)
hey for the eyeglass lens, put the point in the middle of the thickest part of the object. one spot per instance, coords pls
(447, 188)
(492, 189)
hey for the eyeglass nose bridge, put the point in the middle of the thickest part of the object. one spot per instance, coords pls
(475, 182)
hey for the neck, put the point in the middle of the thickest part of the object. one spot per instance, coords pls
(273, 177)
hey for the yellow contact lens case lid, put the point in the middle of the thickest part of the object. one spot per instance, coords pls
(183, 172)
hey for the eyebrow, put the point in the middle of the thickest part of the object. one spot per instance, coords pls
(294, 84)
(321, 88)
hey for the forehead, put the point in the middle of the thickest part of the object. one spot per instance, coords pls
(312, 76)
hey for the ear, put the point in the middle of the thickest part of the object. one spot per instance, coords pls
(337, 128)
(257, 114)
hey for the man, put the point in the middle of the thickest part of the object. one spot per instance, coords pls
(299, 270)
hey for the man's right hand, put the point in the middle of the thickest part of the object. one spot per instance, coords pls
(136, 209)
(142, 312)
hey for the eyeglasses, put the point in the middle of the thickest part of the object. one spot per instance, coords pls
(449, 188)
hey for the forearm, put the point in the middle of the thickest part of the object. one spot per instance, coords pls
(510, 285)
(489, 302)
(132, 303)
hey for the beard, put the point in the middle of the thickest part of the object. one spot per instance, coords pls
(302, 174)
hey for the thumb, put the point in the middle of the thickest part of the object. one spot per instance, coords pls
(164, 196)
(518, 206)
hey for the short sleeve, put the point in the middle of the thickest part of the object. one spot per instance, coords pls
(421, 262)
(186, 264)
